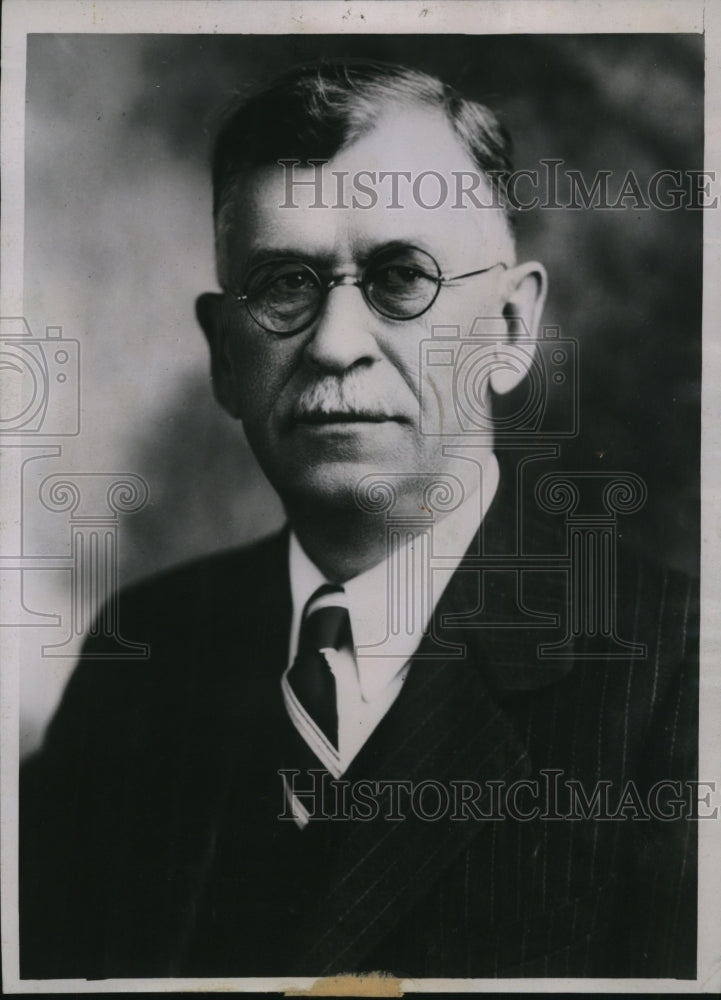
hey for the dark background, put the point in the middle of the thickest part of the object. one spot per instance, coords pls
(119, 242)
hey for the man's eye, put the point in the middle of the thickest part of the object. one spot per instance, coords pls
(292, 281)
(398, 276)
(284, 281)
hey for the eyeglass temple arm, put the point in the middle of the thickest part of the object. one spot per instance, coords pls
(469, 274)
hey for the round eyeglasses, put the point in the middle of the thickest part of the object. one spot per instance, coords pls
(284, 296)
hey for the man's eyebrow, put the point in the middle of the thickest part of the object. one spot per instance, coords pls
(411, 242)
(259, 255)
(398, 245)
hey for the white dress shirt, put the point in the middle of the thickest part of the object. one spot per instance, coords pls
(388, 622)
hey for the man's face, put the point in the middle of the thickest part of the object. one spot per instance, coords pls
(348, 395)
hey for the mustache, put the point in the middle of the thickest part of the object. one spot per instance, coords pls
(352, 395)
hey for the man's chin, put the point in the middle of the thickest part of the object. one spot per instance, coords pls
(372, 488)
(336, 485)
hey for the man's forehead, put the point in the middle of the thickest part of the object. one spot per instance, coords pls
(406, 180)
(410, 138)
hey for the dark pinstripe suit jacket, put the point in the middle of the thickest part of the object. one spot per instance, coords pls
(151, 843)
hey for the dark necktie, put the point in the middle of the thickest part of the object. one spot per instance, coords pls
(325, 624)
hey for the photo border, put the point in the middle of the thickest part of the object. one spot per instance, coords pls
(22, 17)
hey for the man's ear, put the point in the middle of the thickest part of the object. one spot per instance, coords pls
(209, 312)
(525, 295)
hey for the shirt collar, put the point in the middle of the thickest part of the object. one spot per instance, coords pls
(384, 646)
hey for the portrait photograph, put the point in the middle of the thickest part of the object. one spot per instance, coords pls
(359, 450)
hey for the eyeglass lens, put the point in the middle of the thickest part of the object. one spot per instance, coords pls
(286, 296)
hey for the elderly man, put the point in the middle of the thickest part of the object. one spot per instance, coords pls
(346, 751)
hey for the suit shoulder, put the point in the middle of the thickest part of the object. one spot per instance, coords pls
(188, 627)
(231, 584)
(242, 570)
(177, 621)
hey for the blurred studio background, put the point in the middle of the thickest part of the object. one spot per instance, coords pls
(118, 242)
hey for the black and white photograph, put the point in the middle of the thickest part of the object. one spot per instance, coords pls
(359, 504)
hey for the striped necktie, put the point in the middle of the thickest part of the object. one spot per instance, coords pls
(325, 624)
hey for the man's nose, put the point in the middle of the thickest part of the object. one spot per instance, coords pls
(343, 334)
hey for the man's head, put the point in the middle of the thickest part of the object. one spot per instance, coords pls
(320, 352)
(315, 110)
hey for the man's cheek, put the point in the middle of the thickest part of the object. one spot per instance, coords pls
(433, 415)
(252, 375)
